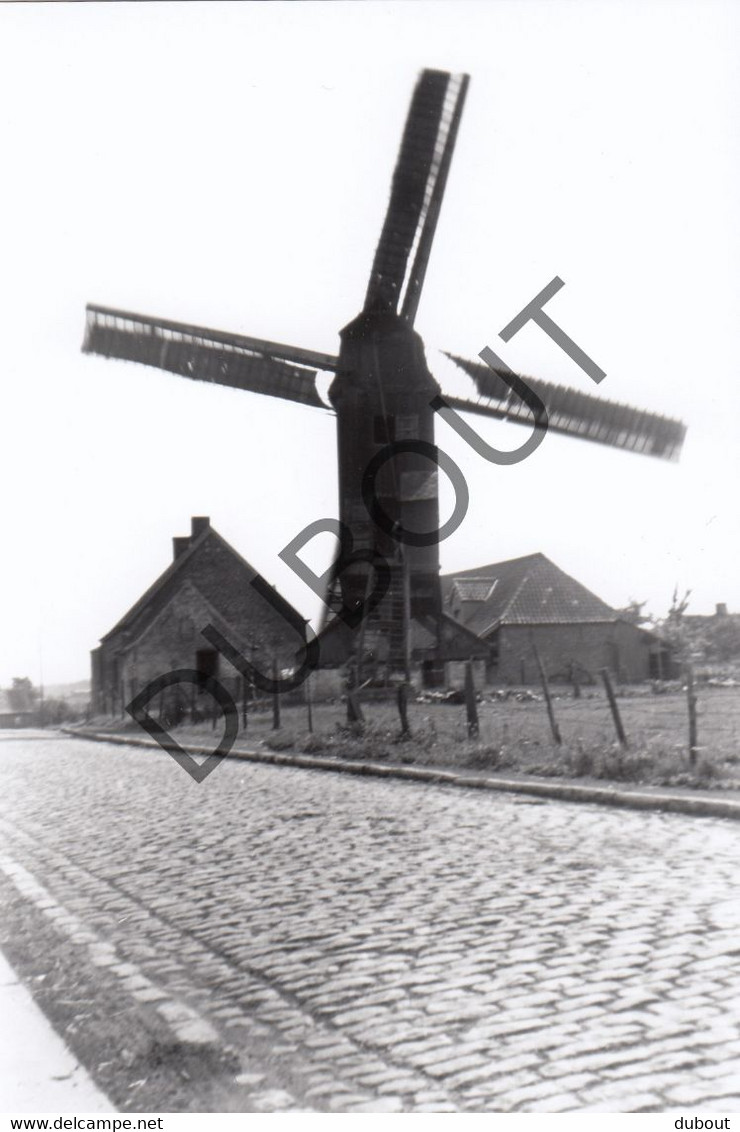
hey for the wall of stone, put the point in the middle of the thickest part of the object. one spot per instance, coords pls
(621, 647)
(212, 587)
(455, 674)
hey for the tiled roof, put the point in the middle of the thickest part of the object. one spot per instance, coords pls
(160, 592)
(529, 591)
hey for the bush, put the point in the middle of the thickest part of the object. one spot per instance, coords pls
(580, 762)
(621, 765)
(441, 741)
(281, 741)
(483, 758)
(705, 771)
(314, 744)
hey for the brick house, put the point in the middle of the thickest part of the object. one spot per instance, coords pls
(508, 604)
(207, 582)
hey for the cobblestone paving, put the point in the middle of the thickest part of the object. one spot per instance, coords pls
(394, 947)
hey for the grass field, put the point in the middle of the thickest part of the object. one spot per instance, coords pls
(515, 736)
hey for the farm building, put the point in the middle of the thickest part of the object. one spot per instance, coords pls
(510, 604)
(491, 615)
(207, 583)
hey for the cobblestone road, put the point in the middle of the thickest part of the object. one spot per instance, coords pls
(375, 945)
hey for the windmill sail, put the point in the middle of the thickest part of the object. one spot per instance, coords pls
(457, 88)
(416, 193)
(207, 355)
(573, 413)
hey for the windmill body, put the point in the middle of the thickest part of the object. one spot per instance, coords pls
(381, 394)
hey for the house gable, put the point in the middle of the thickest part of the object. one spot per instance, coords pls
(183, 618)
(208, 583)
(226, 581)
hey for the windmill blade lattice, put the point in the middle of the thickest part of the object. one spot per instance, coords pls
(573, 413)
(416, 191)
(207, 355)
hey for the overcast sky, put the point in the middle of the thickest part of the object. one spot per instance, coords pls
(229, 165)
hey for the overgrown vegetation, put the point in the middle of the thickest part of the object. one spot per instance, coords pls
(48, 711)
(515, 736)
(514, 740)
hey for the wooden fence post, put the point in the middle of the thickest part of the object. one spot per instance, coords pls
(575, 681)
(691, 700)
(354, 707)
(275, 700)
(471, 707)
(548, 698)
(402, 699)
(245, 691)
(309, 706)
(604, 673)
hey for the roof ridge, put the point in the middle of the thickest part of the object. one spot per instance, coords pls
(583, 587)
(291, 610)
(550, 571)
(452, 575)
(167, 574)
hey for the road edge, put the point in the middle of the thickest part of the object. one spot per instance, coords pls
(40, 1071)
(694, 805)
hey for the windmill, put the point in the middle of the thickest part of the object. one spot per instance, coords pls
(382, 388)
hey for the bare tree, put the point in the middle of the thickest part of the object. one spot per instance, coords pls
(632, 612)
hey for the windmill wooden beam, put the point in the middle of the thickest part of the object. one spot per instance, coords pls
(207, 355)
(573, 413)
